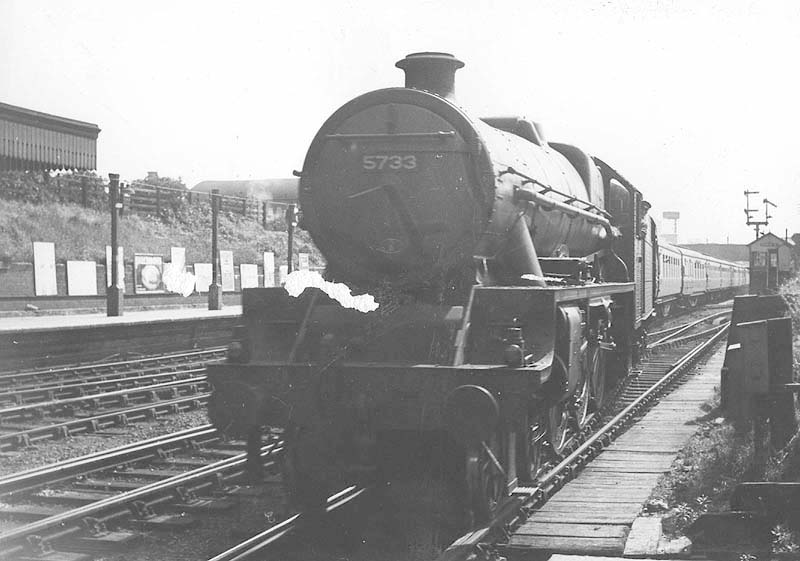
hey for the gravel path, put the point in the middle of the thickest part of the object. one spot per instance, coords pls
(51, 451)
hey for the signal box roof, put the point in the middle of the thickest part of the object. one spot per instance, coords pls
(770, 240)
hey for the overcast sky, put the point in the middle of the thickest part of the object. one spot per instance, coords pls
(691, 101)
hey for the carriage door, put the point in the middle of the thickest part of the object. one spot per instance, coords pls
(772, 269)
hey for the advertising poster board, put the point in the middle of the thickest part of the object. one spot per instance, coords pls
(177, 257)
(81, 278)
(202, 275)
(44, 269)
(248, 275)
(269, 269)
(148, 270)
(226, 269)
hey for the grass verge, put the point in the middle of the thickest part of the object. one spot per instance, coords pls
(82, 233)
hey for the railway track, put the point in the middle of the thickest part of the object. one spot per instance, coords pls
(678, 333)
(664, 366)
(661, 369)
(111, 495)
(105, 370)
(68, 401)
(257, 544)
(149, 484)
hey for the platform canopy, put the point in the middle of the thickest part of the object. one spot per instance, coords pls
(30, 140)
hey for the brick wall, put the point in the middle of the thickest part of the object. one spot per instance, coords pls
(16, 280)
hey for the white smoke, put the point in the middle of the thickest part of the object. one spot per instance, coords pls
(298, 281)
(176, 279)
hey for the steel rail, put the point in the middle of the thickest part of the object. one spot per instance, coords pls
(686, 338)
(13, 376)
(70, 368)
(663, 331)
(53, 473)
(120, 416)
(524, 499)
(136, 372)
(687, 327)
(82, 388)
(268, 537)
(69, 522)
(613, 426)
(19, 409)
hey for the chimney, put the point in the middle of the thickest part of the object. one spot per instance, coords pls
(432, 72)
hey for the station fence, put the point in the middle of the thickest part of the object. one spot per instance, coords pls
(138, 196)
(152, 199)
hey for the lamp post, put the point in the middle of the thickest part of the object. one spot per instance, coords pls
(115, 294)
(215, 288)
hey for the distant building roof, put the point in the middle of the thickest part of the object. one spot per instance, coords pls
(31, 140)
(274, 189)
(724, 251)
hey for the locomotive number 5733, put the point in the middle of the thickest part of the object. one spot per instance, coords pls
(381, 162)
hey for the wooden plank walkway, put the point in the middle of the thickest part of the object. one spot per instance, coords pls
(593, 513)
(560, 557)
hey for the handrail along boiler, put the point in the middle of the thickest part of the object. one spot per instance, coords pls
(514, 276)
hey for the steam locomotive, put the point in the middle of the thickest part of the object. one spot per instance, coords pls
(515, 278)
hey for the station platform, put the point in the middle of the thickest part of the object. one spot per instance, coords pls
(80, 321)
(42, 341)
(562, 557)
(593, 514)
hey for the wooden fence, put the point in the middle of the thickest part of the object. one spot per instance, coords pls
(153, 199)
(156, 200)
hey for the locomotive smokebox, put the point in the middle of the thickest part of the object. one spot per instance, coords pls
(432, 72)
(402, 186)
